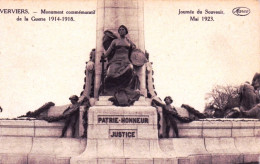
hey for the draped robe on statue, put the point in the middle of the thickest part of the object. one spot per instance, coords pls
(120, 72)
(121, 80)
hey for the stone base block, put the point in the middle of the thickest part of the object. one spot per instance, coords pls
(251, 158)
(127, 161)
(165, 161)
(62, 160)
(84, 161)
(201, 159)
(109, 148)
(139, 161)
(111, 122)
(247, 145)
(243, 129)
(189, 146)
(62, 147)
(189, 130)
(17, 128)
(226, 158)
(257, 129)
(132, 150)
(46, 129)
(249, 148)
(137, 149)
(39, 159)
(111, 161)
(48, 159)
(183, 160)
(13, 158)
(221, 146)
(217, 128)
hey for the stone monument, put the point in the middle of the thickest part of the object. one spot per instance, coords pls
(130, 134)
(126, 134)
(121, 134)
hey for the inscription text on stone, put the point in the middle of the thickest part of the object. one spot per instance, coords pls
(122, 119)
(122, 133)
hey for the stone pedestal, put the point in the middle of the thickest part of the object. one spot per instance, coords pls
(121, 135)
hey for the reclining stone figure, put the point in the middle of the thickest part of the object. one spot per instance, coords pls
(40, 112)
(250, 98)
(249, 102)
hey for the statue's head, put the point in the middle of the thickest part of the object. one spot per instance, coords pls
(122, 30)
(168, 100)
(74, 99)
(256, 81)
(92, 55)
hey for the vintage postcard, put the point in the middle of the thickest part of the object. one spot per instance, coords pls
(193, 46)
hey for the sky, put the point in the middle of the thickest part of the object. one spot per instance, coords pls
(45, 61)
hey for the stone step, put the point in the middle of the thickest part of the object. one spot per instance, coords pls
(142, 103)
(105, 98)
(109, 103)
(103, 103)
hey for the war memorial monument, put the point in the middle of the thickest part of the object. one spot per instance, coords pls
(118, 118)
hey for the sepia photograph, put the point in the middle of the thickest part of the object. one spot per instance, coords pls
(130, 82)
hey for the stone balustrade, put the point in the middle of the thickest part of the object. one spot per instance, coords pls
(204, 141)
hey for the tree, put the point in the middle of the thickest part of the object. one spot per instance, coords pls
(223, 98)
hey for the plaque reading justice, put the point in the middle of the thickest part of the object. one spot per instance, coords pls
(122, 133)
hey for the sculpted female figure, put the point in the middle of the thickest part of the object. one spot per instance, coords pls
(120, 73)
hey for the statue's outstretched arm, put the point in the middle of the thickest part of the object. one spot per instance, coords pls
(68, 108)
(158, 103)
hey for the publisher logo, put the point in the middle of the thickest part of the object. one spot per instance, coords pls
(241, 11)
